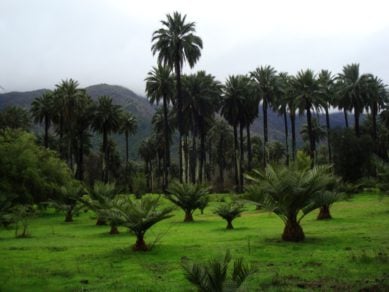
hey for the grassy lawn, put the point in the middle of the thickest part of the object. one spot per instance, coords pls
(349, 252)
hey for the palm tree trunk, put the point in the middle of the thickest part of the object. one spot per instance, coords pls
(356, 117)
(188, 216)
(202, 155)
(140, 244)
(179, 113)
(229, 225)
(286, 136)
(47, 121)
(324, 213)
(265, 129)
(310, 133)
(345, 118)
(114, 230)
(80, 164)
(236, 157)
(221, 161)
(328, 135)
(167, 147)
(241, 183)
(293, 128)
(293, 231)
(105, 157)
(249, 150)
(69, 215)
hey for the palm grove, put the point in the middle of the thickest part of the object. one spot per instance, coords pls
(201, 135)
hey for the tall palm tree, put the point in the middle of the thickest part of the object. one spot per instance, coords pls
(175, 44)
(160, 85)
(232, 110)
(106, 121)
(128, 126)
(267, 86)
(201, 98)
(221, 133)
(148, 152)
(327, 92)
(306, 90)
(67, 95)
(351, 89)
(42, 111)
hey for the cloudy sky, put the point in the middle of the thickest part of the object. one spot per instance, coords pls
(108, 41)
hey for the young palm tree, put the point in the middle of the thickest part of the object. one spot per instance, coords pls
(290, 191)
(229, 212)
(306, 90)
(267, 87)
(212, 276)
(106, 121)
(160, 85)
(176, 44)
(42, 111)
(138, 215)
(188, 197)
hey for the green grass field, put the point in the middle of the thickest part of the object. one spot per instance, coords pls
(350, 252)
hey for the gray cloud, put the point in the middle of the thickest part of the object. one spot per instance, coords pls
(99, 41)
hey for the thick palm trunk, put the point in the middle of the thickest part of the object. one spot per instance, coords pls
(345, 118)
(328, 135)
(249, 150)
(101, 221)
(186, 159)
(229, 225)
(286, 136)
(293, 231)
(202, 154)
(114, 230)
(356, 125)
(324, 213)
(265, 130)
(293, 128)
(166, 162)
(221, 162)
(236, 172)
(140, 244)
(193, 160)
(69, 215)
(310, 133)
(188, 216)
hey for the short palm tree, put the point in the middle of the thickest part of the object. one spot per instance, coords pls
(175, 44)
(212, 276)
(290, 191)
(229, 212)
(138, 215)
(188, 197)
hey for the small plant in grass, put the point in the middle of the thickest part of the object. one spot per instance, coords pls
(21, 215)
(66, 200)
(100, 195)
(203, 204)
(229, 211)
(213, 276)
(290, 191)
(138, 215)
(188, 197)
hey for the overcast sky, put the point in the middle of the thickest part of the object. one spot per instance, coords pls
(108, 41)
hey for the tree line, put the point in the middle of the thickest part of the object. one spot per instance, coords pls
(214, 119)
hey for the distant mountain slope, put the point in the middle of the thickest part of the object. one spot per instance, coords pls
(143, 111)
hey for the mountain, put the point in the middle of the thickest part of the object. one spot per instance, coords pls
(143, 111)
(137, 105)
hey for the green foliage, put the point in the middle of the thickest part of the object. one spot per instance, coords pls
(20, 215)
(287, 191)
(212, 276)
(351, 154)
(187, 196)
(138, 215)
(29, 173)
(229, 211)
(14, 117)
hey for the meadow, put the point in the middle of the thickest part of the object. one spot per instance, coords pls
(349, 252)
